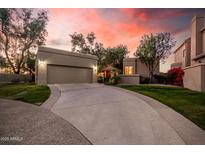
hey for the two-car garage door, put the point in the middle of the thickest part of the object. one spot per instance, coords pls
(68, 74)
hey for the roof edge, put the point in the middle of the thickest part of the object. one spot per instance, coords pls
(65, 52)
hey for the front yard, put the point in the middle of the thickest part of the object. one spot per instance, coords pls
(189, 103)
(30, 93)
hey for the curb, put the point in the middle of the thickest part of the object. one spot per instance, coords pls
(185, 128)
(55, 95)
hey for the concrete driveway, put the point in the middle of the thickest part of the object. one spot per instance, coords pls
(108, 115)
(23, 123)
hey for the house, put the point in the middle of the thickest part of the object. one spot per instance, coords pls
(59, 66)
(133, 69)
(190, 56)
(182, 55)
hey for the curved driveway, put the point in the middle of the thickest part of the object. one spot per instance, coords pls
(108, 115)
(23, 123)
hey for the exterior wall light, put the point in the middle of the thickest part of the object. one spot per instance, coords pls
(95, 68)
(41, 62)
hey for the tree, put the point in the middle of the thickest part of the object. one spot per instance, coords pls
(153, 49)
(88, 45)
(30, 63)
(2, 62)
(120, 53)
(20, 33)
(115, 55)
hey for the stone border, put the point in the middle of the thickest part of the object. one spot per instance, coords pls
(53, 98)
(186, 129)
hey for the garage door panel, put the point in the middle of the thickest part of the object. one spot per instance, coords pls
(67, 74)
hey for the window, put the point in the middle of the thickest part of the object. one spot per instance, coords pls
(128, 70)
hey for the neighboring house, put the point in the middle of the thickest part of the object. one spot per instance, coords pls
(59, 66)
(133, 69)
(190, 55)
(182, 57)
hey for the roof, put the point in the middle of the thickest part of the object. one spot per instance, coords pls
(65, 52)
(110, 68)
(129, 59)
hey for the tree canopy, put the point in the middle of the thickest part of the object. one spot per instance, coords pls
(153, 49)
(106, 56)
(21, 31)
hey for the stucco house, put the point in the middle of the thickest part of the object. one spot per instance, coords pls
(59, 66)
(190, 56)
(133, 69)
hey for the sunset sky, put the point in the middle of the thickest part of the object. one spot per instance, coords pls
(119, 26)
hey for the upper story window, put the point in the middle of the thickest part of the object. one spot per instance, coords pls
(128, 70)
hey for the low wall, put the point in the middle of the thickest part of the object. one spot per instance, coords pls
(194, 77)
(129, 79)
(8, 78)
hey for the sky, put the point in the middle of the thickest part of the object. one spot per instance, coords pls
(119, 26)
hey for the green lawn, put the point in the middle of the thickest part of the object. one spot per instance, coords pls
(189, 103)
(30, 93)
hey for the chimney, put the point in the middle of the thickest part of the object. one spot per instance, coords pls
(196, 35)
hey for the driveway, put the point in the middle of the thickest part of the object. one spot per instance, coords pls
(108, 115)
(23, 123)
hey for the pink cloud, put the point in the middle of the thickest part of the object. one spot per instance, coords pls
(113, 26)
(116, 26)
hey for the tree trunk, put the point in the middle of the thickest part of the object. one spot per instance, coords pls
(17, 71)
(151, 75)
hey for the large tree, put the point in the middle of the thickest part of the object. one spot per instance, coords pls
(153, 49)
(88, 45)
(21, 31)
(115, 55)
(106, 56)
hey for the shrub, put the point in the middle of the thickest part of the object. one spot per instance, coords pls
(144, 80)
(161, 78)
(100, 79)
(175, 76)
(113, 81)
(15, 81)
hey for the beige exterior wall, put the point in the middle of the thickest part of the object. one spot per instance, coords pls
(138, 67)
(203, 40)
(196, 37)
(129, 79)
(194, 77)
(130, 62)
(182, 55)
(143, 70)
(179, 56)
(187, 52)
(49, 56)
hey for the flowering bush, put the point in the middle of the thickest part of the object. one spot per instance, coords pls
(175, 76)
